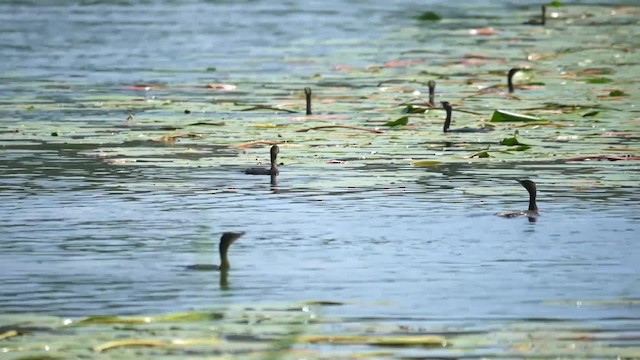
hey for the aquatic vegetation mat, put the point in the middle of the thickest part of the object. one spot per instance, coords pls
(174, 136)
(301, 330)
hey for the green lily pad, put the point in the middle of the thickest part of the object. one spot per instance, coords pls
(426, 163)
(399, 122)
(600, 80)
(410, 109)
(512, 141)
(429, 16)
(481, 155)
(507, 116)
(617, 93)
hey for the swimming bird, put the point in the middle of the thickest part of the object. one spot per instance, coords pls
(432, 92)
(510, 79)
(226, 240)
(532, 212)
(542, 20)
(307, 95)
(273, 170)
(447, 122)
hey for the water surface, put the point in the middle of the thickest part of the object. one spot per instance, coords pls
(98, 218)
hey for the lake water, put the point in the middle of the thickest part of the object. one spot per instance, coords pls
(85, 230)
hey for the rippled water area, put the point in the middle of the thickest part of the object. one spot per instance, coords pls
(126, 127)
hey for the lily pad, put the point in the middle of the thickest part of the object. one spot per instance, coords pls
(399, 122)
(429, 16)
(617, 93)
(600, 80)
(426, 163)
(508, 116)
(410, 109)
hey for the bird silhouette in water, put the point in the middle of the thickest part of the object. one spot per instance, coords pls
(307, 95)
(510, 75)
(532, 211)
(432, 92)
(272, 170)
(542, 20)
(447, 122)
(226, 240)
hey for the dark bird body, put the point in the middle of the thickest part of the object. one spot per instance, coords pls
(542, 20)
(226, 240)
(447, 122)
(532, 211)
(272, 170)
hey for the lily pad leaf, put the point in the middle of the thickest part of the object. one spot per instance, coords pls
(481, 155)
(509, 141)
(507, 116)
(429, 16)
(512, 141)
(410, 109)
(399, 122)
(426, 163)
(617, 93)
(600, 80)
(519, 148)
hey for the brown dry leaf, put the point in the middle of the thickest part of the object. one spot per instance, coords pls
(170, 139)
(8, 334)
(485, 31)
(538, 57)
(254, 144)
(224, 87)
(625, 11)
(616, 134)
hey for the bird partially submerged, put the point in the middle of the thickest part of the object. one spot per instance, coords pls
(541, 20)
(510, 75)
(226, 240)
(272, 170)
(532, 211)
(447, 122)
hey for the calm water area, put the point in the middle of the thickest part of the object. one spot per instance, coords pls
(83, 234)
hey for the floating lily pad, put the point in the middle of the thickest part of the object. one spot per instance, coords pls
(399, 122)
(507, 116)
(410, 109)
(601, 80)
(617, 93)
(426, 163)
(429, 16)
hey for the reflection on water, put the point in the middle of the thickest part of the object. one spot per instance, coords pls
(85, 232)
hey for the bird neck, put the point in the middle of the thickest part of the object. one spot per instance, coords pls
(432, 93)
(447, 121)
(307, 94)
(512, 72)
(274, 162)
(532, 201)
(224, 260)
